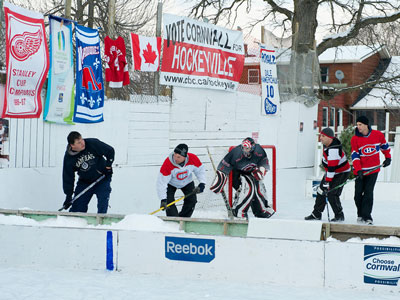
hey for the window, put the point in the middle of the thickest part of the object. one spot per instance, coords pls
(324, 74)
(324, 117)
(340, 117)
(332, 117)
(254, 76)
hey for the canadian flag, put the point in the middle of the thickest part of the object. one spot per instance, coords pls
(146, 53)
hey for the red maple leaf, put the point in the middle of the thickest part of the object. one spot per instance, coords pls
(149, 55)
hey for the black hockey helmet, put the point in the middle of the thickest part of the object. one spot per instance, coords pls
(248, 145)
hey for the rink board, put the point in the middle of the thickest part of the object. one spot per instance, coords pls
(238, 259)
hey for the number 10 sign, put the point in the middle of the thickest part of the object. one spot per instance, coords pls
(269, 82)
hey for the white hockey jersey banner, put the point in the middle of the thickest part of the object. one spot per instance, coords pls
(145, 53)
(27, 60)
(60, 89)
(269, 82)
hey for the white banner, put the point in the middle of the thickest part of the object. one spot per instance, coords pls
(60, 89)
(269, 82)
(27, 59)
(200, 55)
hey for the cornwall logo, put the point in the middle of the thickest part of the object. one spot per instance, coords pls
(25, 45)
(381, 265)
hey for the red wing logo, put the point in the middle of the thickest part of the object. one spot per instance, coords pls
(183, 175)
(25, 45)
(368, 150)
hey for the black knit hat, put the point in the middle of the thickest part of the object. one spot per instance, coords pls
(328, 132)
(181, 149)
(363, 119)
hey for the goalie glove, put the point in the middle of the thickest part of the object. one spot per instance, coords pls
(219, 182)
(259, 173)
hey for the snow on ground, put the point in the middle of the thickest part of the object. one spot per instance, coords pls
(18, 283)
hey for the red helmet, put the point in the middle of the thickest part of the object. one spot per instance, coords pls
(248, 146)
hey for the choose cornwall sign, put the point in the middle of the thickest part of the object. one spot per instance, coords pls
(189, 249)
(381, 265)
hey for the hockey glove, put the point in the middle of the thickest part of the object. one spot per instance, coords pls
(164, 204)
(360, 174)
(258, 174)
(219, 182)
(68, 202)
(108, 171)
(387, 162)
(325, 187)
(201, 187)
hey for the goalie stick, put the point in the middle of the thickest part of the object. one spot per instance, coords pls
(228, 207)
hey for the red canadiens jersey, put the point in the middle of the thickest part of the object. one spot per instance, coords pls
(177, 175)
(365, 150)
(117, 73)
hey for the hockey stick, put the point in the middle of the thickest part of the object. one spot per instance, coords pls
(85, 190)
(228, 207)
(351, 180)
(195, 191)
(327, 207)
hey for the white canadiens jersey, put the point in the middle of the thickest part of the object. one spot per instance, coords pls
(179, 176)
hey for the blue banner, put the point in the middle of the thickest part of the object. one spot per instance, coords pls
(89, 98)
(60, 89)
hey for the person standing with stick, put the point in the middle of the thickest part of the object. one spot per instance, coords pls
(177, 173)
(337, 170)
(91, 159)
(365, 146)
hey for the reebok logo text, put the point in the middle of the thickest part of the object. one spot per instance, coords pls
(188, 249)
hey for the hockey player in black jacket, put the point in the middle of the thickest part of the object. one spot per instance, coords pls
(91, 158)
(250, 161)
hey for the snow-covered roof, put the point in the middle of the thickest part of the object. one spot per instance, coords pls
(378, 97)
(351, 54)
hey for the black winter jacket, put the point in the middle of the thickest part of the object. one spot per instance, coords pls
(89, 163)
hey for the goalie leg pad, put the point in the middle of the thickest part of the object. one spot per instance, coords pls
(219, 182)
(242, 208)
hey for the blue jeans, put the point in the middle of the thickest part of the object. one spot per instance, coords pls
(102, 190)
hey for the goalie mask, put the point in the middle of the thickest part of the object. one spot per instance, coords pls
(248, 146)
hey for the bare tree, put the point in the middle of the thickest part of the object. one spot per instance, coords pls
(298, 18)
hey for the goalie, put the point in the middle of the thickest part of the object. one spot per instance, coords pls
(250, 162)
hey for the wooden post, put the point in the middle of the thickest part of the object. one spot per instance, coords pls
(111, 34)
(158, 34)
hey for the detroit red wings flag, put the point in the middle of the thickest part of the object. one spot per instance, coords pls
(145, 53)
(27, 59)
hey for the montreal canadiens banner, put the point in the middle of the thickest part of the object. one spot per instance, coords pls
(145, 53)
(269, 81)
(27, 62)
(200, 55)
(60, 89)
(89, 98)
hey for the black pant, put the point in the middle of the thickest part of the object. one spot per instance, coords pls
(364, 195)
(333, 197)
(189, 203)
(102, 190)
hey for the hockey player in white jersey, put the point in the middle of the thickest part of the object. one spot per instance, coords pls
(247, 161)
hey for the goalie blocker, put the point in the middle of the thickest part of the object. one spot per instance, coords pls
(250, 162)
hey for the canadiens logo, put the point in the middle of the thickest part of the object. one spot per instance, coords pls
(368, 150)
(26, 44)
(182, 175)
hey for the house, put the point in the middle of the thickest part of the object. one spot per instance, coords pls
(343, 67)
(381, 103)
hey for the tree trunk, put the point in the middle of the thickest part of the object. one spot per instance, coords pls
(303, 76)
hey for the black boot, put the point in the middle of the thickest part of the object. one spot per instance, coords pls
(338, 218)
(312, 217)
